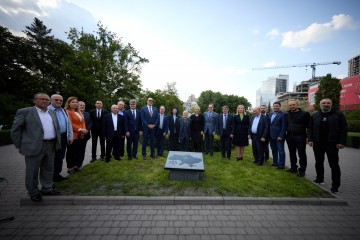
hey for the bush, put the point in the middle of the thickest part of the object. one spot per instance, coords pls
(5, 137)
(353, 125)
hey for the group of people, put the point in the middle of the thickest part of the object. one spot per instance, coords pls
(47, 132)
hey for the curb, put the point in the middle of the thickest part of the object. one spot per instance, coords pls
(179, 200)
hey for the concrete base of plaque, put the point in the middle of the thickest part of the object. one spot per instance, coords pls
(185, 166)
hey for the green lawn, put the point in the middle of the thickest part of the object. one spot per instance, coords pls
(221, 178)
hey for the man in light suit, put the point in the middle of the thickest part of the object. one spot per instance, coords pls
(210, 123)
(114, 131)
(96, 116)
(36, 134)
(161, 131)
(66, 134)
(224, 129)
(258, 132)
(150, 119)
(133, 127)
(88, 125)
(278, 126)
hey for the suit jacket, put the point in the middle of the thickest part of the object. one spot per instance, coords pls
(220, 124)
(147, 119)
(88, 123)
(76, 123)
(263, 127)
(165, 126)
(174, 124)
(278, 126)
(97, 122)
(27, 132)
(210, 122)
(69, 130)
(132, 125)
(108, 126)
(182, 126)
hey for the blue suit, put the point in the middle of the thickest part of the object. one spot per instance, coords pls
(161, 132)
(262, 131)
(278, 126)
(210, 124)
(133, 126)
(148, 119)
(224, 133)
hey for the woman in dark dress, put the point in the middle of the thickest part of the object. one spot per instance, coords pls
(197, 129)
(240, 131)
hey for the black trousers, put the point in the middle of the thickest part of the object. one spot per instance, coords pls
(332, 153)
(60, 155)
(113, 145)
(94, 137)
(83, 143)
(73, 154)
(258, 148)
(209, 142)
(174, 142)
(297, 143)
(225, 145)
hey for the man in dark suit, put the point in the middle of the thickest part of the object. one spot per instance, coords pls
(114, 130)
(36, 134)
(174, 129)
(66, 131)
(258, 132)
(263, 110)
(210, 120)
(161, 131)
(88, 124)
(224, 129)
(278, 126)
(96, 116)
(133, 127)
(121, 106)
(150, 119)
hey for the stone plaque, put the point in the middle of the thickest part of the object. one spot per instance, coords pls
(185, 166)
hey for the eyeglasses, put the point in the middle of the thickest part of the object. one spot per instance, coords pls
(58, 100)
(150, 100)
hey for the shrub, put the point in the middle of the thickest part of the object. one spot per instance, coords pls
(5, 137)
(353, 125)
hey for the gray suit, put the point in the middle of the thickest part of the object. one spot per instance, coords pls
(28, 136)
(210, 127)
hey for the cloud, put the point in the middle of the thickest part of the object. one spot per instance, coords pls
(255, 31)
(270, 64)
(273, 33)
(317, 32)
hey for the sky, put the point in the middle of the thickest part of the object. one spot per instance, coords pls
(211, 44)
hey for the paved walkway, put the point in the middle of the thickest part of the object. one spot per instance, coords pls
(180, 222)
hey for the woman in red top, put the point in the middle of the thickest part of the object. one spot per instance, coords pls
(73, 156)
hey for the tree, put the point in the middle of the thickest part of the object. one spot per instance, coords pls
(109, 69)
(329, 87)
(219, 100)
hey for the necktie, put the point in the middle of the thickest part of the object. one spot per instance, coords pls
(150, 111)
(98, 113)
(225, 118)
(174, 124)
(133, 113)
(161, 121)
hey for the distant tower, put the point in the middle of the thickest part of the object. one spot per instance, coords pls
(354, 66)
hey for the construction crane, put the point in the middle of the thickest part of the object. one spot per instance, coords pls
(312, 65)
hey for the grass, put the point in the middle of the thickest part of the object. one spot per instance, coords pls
(221, 178)
(354, 134)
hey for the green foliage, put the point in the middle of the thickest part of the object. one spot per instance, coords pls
(5, 137)
(219, 100)
(329, 87)
(221, 178)
(167, 97)
(353, 125)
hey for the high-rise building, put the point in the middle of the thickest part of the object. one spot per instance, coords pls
(271, 87)
(354, 66)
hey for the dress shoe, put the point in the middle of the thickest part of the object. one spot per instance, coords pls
(92, 160)
(334, 190)
(320, 182)
(144, 157)
(118, 158)
(255, 161)
(301, 174)
(259, 164)
(292, 170)
(130, 158)
(135, 157)
(36, 198)
(153, 156)
(211, 154)
(274, 165)
(50, 193)
(107, 160)
(280, 168)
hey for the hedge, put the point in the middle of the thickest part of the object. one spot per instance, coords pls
(5, 137)
(353, 125)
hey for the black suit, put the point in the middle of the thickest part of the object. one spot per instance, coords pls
(83, 141)
(224, 133)
(174, 129)
(96, 132)
(262, 131)
(113, 137)
(133, 126)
